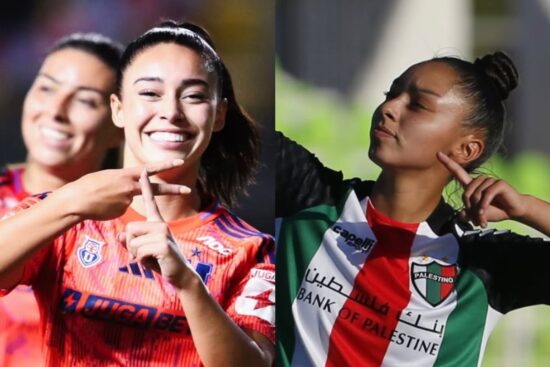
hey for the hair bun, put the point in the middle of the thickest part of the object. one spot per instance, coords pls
(502, 72)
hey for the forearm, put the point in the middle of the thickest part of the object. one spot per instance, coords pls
(219, 341)
(24, 234)
(536, 214)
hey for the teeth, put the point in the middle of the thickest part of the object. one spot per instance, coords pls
(166, 136)
(53, 133)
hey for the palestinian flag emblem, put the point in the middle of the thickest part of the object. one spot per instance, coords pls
(433, 281)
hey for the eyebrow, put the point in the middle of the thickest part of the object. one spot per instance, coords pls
(78, 87)
(426, 91)
(399, 82)
(184, 83)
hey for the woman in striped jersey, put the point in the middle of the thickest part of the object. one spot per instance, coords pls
(124, 277)
(385, 273)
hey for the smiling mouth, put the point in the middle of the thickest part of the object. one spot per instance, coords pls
(168, 137)
(54, 134)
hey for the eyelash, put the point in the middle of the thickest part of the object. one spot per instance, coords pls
(88, 102)
(148, 93)
(198, 97)
(44, 88)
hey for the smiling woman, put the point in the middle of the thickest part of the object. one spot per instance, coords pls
(144, 264)
(66, 118)
(67, 131)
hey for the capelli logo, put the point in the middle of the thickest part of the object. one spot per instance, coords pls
(215, 245)
(361, 244)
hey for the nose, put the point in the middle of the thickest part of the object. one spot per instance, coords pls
(171, 109)
(389, 109)
(59, 107)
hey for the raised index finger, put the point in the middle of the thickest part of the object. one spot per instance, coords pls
(456, 169)
(152, 212)
(156, 167)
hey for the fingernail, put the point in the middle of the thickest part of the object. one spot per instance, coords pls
(185, 190)
(177, 162)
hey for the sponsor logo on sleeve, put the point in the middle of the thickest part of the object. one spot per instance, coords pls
(258, 297)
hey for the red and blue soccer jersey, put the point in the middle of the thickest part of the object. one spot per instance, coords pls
(101, 308)
(20, 338)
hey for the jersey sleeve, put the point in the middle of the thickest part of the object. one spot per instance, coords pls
(40, 260)
(252, 303)
(302, 181)
(513, 267)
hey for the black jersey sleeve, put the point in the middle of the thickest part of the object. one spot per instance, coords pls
(514, 268)
(301, 180)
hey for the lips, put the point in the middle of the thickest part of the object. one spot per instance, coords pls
(166, 136)
(169, 139)
(54, 134)
(55, 138)
(383, 131)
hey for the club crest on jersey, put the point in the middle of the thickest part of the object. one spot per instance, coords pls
(433, 281)
(89, 253)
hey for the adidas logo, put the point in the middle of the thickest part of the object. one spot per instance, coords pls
(137, 270)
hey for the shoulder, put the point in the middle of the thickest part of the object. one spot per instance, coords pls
(241, 236)
(236, 228)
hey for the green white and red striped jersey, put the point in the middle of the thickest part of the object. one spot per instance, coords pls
(355, 288)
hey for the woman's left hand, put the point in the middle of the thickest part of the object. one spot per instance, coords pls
(486, 199)
(153, 245)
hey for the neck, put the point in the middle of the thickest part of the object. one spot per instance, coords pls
(408, 196)
(39, 178)
(171, 207)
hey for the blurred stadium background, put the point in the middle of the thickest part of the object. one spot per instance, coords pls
(335, 59)
(243, 31)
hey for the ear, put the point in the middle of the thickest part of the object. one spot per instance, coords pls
(468, 149)
(116, 111)
(221, 112)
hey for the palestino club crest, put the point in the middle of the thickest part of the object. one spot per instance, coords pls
(89, 253)
(433, 281)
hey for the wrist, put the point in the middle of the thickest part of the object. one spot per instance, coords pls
(188, 283)
(522, 215)
(69, 204)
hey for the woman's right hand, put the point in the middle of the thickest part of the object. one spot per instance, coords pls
(106, 194)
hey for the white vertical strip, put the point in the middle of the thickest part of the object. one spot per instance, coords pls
(419, 332)
(328, 281)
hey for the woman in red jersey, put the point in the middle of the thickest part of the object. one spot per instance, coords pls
(67, 130)
(385, 271)
(166, 280)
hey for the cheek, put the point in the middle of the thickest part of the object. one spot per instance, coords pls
(136, 115)
(90, 123)
(32, 107)
(202, 116)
